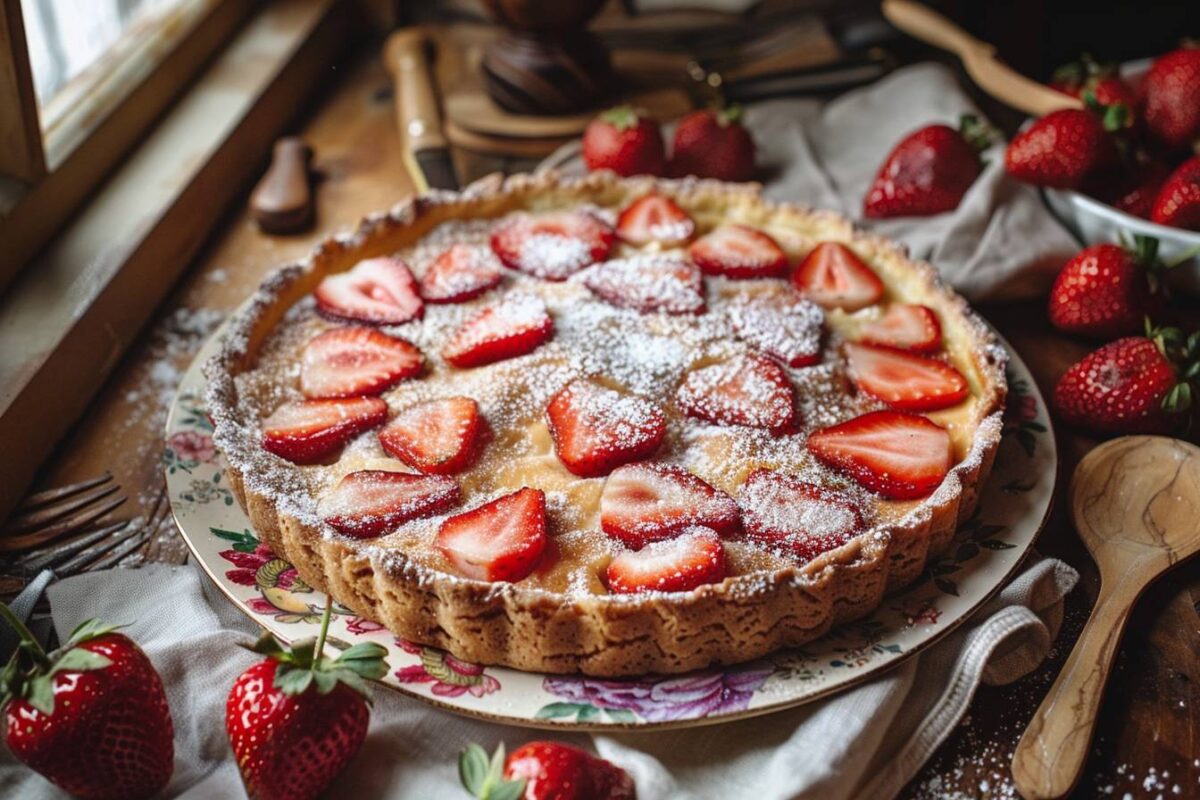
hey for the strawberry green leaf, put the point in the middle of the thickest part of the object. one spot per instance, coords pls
(292, 681)
(473, 769)
(622, 117)
(508, 790)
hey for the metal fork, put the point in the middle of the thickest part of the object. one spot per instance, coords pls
(50, 515)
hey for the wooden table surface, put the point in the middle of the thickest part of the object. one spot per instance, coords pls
(1148, 742)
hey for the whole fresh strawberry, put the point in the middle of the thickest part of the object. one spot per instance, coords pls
(1172, 98)
(1064, 148)
(91, 716)
(1139, 384)
(1178, 201)
(1107, 290)
(713, 143)
(627, 143)
(296, 718)
(929, 171)
(1087, 75)
(542, 771)
(1131, 185)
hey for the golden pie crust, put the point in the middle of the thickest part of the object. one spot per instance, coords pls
(742, 618)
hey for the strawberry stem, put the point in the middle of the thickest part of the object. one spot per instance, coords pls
(326, 616)
(29, 644)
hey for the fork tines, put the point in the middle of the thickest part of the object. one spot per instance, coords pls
(46, 516)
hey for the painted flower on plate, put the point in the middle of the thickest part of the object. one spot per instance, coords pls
(665, 699)
(449, 676)
(192, 446)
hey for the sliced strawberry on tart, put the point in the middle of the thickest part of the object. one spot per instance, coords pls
(513, 327)
(377, 291)
(738, 251)
(370, 502)
(784, 327)
(692, 558)
(655, 218)
(904, 325)
(645, 502)
(792, 514)
(897, 455)
(552, 246)
(597, 429)
(437, 436)
(350, 362)
(904, 380)
(749, 389)
(460, 273)
(649, 283)
(833, 276)
(499, 541)
(310, 430)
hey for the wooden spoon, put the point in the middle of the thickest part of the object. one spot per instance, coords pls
(979, 58)
(1136, 504)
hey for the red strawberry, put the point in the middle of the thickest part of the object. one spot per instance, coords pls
(1178, 202)
(1132, 385)
(737, 251)
(1107, 291)
(513, 327)
(1131, 185)
(437, 436)
(786, 328)
(904, 380)
(371, 502)
(747, 390)
(348, 362)
(91, 716)
(929, 171)
(655, 218)
(909, 327)
(499, 541)
(552, 246)
(378, 291)
(713, 144)
(692, 558)
(648, 283)
(542, 771)
(645, 502)
(1172, 93)
(297, 718)
(833, 276)
(1086, 77)
(622, 140)
(1063, 148)
(460, 273)
(308, 431)
(596, 429)
(900, 456)
(786, 512)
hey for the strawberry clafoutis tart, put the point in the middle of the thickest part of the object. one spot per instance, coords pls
(609, 426)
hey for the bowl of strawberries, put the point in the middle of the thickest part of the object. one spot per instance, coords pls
(1126, 164)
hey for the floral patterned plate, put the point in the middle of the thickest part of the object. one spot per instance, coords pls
(988, 549)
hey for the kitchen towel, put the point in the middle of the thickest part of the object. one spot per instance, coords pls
(1000, 243)
(866, 742)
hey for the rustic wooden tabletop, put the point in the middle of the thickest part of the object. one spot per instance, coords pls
(1148, 742)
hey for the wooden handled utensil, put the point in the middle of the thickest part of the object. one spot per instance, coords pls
(417, 111)
(1136, 504)
(979, 58)
(282, 202)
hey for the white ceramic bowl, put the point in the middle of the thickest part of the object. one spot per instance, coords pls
(1093, 222)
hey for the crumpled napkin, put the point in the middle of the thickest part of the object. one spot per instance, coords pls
(866, 742)
(1000, 243)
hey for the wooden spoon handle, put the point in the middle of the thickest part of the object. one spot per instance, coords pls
(416, 104)
(994, 77)
(1051, 753)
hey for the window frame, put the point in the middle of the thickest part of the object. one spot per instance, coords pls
(46, 175)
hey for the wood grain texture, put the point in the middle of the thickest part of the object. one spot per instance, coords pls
(1135, 502)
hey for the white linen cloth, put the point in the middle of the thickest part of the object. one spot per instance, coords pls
(1000, 243)
(864, 743)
